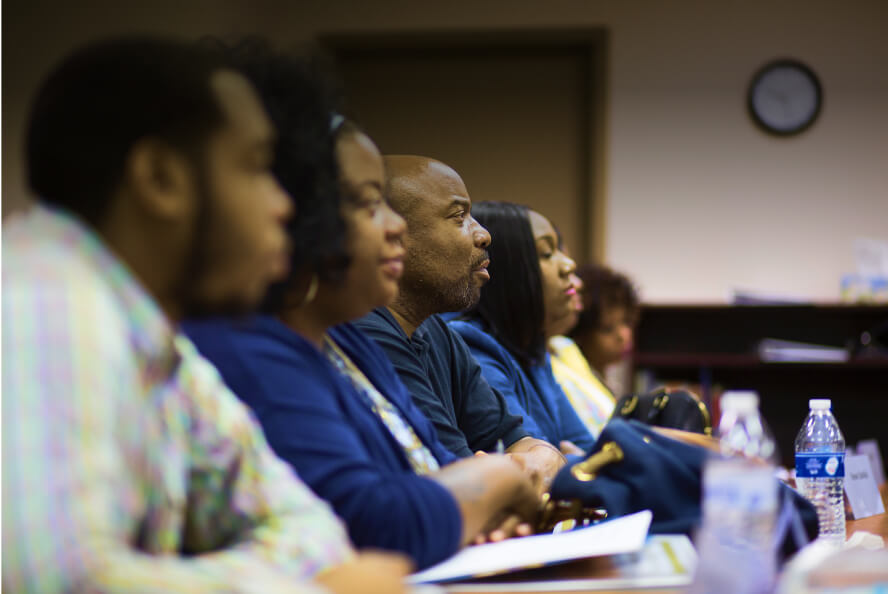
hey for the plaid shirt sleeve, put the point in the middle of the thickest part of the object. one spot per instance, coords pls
(288, 525)
(78, 491)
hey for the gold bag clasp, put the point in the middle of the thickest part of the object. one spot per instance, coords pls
(629, 406)
(586, 470)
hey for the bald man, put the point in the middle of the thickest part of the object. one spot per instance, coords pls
(444, 270)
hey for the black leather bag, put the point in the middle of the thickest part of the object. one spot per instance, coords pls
(633, 467)
(674, 409)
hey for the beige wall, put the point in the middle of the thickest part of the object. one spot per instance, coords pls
(37, 33)
(697, 200)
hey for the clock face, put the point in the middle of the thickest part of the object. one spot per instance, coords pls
(785, 97)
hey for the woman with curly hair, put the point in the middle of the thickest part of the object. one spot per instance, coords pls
(604, 330)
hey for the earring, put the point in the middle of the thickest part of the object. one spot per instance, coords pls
(312, 291)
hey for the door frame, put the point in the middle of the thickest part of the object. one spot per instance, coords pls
(590, 45)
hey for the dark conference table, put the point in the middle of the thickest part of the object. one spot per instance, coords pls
(602, 568)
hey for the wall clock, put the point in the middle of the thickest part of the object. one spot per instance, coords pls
(784, 97)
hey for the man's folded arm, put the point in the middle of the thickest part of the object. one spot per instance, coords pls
(413, 376)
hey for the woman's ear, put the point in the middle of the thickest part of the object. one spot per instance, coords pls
(161, 179)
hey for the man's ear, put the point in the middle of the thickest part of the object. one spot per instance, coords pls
(161, 179)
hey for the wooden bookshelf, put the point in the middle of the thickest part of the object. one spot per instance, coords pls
(716, 347)
(721, 360)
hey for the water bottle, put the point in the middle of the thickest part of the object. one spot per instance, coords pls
(736, 541)
(820, 469)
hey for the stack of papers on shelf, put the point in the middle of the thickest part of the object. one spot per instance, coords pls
(788, 351)
(621, 535)
(748, 297)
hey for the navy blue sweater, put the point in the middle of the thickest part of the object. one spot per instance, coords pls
(445, 382)
(533, 393)
(314, 419)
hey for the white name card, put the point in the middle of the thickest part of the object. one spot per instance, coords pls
(870, 447)
(860, 486)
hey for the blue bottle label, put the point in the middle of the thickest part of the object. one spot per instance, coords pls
(820, 465)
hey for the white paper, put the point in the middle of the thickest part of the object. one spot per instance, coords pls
(863, 494)
(621, 535)
(740, 296)
(776, 350)
(665, 561)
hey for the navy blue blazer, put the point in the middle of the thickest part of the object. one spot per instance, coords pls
(314, 419)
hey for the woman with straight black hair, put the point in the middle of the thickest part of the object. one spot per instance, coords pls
(531, 294)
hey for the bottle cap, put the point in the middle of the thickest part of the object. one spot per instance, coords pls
(820, 404)
(740, 400)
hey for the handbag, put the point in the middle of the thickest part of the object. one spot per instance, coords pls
(675, 409)
(633, 467)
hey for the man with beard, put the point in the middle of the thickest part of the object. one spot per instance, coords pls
(127, 464)
(444, 269)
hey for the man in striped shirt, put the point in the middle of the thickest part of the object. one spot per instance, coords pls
(127, 464)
